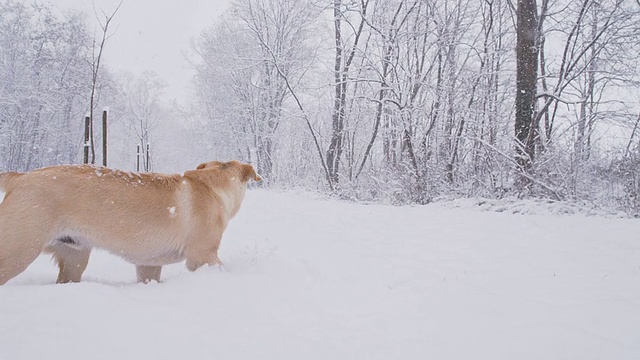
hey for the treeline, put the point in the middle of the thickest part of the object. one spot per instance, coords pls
(408, 100)
(395, 100)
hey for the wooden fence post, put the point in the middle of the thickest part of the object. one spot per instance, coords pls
(104, 137)
(87, 122)
(138, 154)
(147, 164)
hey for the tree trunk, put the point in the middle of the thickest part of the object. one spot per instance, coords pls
(341, 70)
(526, 129)
(335, 147)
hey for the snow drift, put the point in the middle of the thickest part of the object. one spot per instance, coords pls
(311, 278)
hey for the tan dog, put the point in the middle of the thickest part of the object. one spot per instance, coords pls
(148, 219)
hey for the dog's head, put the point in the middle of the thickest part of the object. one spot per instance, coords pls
(246, 171)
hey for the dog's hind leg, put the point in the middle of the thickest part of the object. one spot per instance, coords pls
(148, 273)
(71, 261)
(19, 247)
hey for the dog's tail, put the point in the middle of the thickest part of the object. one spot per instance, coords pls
(7, 179)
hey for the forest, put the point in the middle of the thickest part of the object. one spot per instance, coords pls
(399, 101)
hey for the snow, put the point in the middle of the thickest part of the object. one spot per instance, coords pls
(314, 278)
(513, 205)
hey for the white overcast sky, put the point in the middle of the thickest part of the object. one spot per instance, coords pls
(152, 35)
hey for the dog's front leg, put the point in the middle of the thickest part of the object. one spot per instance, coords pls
(198, 257)
(194, 264)
(148, 273)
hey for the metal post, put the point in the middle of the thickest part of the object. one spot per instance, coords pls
(87, 122)
(104, 137)
(138, 154)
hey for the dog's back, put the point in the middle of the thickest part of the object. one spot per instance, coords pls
(6, 180)
(136, 216)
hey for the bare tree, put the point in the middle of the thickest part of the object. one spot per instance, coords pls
(104, 20)
(344, 56)
(143, 110)
(263, 52)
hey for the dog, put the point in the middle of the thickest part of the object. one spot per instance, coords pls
(148, 219)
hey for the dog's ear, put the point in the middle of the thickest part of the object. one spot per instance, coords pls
(201, 166)
(248, 173)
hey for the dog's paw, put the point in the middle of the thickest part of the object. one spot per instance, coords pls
(220, 266)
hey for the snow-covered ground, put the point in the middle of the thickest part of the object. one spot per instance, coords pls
(311, 278)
